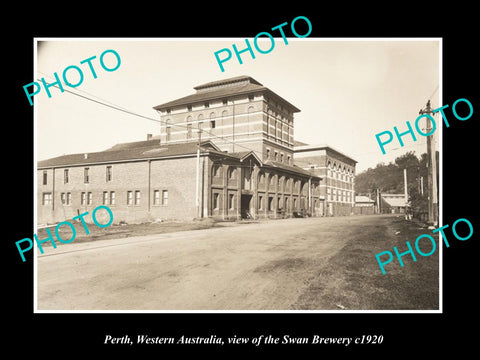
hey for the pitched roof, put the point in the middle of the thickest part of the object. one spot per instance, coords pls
(127, 152)
(394, 199)
(227, 81)
(361, 198)
(302, 148)
(237, 86)
(290, 168)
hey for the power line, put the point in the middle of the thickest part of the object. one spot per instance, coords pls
(116, 107)
(215, 136)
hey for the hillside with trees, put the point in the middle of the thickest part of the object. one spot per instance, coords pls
(388, 178)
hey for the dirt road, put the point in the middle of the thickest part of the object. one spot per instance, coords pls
(273, 265)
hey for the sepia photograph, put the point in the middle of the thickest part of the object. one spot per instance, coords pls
(212, 175)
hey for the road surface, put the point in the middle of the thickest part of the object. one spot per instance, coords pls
(270, 265)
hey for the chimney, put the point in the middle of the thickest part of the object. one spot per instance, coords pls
(149, 137)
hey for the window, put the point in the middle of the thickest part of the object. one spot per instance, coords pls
(212, 124)
(108, 173)
(65, 176)
(276, 155)
(169, 111)
(231, 173)
(281, 157)
(45, 178)
(224, 101)
(189, 108)
(279, 203)
(129, 198)
(251, 97)
(83, 198)
(105, 198)
(215, 200)
(261, 178)
(231, 202)
(207, 104)
(288, 159)
(137, 197)
(270, 203)
(189, 127)
(216, 170)
(295, 203)
(89, 198)
(112, 197)
(156, 197)
(268, 154)
(260, 203)
(168, 130)
(86, 176)
(46, 198)
(63, 198)
(164, 197)
(272, 179)
(189, 131)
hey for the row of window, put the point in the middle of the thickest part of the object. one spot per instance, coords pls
(340, 195)
(160, 197)
(341, 176)
(86, 175)
(206, 104)
(261, 205)
(251, 98)
(277, 158)
(261, 179)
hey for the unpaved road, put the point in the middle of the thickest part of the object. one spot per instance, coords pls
(269, 265)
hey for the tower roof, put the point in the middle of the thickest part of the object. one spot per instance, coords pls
(239, 85)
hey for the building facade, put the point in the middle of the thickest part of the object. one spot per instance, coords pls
(393, 203)
(224, 152)
(337, 170)
(238, 114)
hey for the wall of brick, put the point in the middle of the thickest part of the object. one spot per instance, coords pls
(130, 176)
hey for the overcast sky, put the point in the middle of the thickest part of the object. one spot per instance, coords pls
(347, 90)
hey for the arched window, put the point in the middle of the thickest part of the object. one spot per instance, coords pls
(168, 130)
(212, 120)
(261, 177)
(217, 170)
(189, 127)
(222, 121)
(200, 124)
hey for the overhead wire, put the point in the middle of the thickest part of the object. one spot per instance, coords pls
(215, 136)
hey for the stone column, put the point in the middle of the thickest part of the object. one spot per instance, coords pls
(225, 191)
(254, 182)
(239, 175)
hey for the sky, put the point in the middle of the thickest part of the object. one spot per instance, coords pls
(348, 90)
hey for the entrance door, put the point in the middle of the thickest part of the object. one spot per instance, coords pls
(246, 202)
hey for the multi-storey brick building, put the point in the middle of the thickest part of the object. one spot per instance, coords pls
(225, 151)
(337, 170)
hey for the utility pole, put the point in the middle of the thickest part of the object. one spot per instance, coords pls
(432, 169)
(406, 193)
(379, 206)
(197, 189)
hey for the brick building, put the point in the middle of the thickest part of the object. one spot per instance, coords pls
(225, 151)
(337, 170)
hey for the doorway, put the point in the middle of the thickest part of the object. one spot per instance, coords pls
(245, 209)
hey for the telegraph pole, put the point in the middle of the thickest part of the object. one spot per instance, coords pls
(197, 190)
(432, 169)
